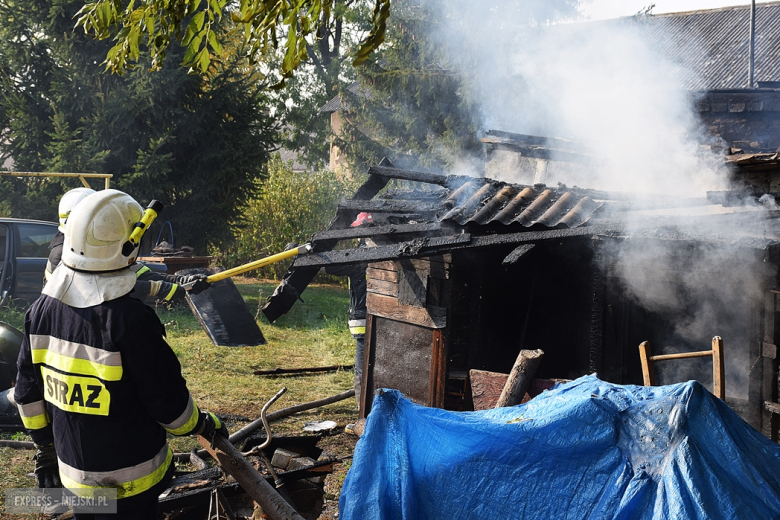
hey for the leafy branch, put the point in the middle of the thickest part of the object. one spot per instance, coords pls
(265, 23)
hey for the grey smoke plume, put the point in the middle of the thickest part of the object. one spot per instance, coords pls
(602, 85)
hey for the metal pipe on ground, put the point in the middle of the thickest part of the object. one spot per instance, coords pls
(231, 460)
(244, 432)
(254, 425)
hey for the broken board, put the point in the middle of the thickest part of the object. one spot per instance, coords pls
(486, 388)
(223, 314)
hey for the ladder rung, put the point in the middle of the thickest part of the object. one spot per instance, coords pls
(682, 355)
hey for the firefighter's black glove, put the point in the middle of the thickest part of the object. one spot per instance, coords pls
(200, 283)
(211, 426)
(47, 474)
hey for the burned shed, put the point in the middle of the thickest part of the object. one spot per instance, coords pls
(465, 272)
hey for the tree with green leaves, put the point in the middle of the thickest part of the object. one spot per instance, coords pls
(199, 26)
(329, 65)
(197, 142)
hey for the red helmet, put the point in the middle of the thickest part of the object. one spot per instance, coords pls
(363, 218)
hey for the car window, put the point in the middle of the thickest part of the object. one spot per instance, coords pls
(35, 240)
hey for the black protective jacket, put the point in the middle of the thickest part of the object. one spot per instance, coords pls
(103, 384)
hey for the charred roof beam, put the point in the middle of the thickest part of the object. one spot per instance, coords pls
(408, 175)
(396, 206)
(368, 232)
(438, 245)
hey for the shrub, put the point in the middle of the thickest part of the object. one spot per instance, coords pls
(290, 207)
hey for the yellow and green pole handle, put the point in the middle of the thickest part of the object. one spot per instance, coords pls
(150, 213)
(257, 264)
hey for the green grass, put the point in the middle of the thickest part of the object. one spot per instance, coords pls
(313, 333)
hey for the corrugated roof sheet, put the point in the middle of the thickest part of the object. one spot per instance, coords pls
(485, 201)
(711, 47)
(481, 201)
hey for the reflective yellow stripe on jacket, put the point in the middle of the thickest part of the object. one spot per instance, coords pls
(34, 416)
(141, 271)
(172, 292)
(357, 326)
(127, 481)
(186, 422)
(76, 358)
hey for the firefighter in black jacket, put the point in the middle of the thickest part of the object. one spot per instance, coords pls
(166, 287)
(98, 387)
(357, 302)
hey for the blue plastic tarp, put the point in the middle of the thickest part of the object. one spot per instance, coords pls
(586, 449)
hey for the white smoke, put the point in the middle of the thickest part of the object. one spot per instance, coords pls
(602, 85)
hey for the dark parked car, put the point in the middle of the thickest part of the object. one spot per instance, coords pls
(24, 249)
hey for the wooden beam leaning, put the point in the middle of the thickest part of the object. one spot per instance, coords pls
(718, 369)
(647, 368)
(520, 377)
(231, 460)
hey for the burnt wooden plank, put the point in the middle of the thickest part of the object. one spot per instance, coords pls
(755, 373)
(597, 302)
(413, 287)
(402, 356)
(436, 267)
(439, 292)
(386, 206)
(408, 175)
(437, 383)
(388, 307)
(369, 360)
(486, 388)
(768, 373)
(381, 274)
(382, 287)
(446, 244)
(541, 152)
(372, 231)
(517, 253)
(417, 247)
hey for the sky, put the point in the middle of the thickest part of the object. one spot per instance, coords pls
(602, 9)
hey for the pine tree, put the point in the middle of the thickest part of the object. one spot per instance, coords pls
(196, 142)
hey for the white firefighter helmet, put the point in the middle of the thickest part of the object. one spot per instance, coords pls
(69, 201)
(93, 267)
